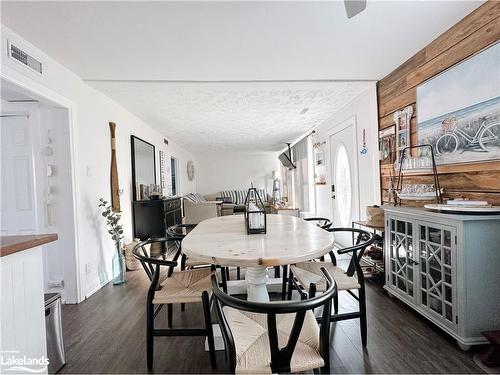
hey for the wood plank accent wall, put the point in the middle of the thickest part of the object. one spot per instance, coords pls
(475, 32)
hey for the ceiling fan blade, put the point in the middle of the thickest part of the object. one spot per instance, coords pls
(353, 7)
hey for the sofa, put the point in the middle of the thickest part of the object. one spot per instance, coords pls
(234, 198)
(197, 208)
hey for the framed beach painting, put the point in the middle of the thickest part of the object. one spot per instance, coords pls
(458, 111)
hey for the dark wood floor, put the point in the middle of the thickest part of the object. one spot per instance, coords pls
(106, 334)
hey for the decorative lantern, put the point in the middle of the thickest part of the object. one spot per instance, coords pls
(255, 213)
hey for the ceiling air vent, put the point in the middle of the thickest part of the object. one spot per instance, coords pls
(18, 54)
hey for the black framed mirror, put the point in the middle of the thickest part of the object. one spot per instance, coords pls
(143, 164)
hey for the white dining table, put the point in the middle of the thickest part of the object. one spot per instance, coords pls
(224, 241)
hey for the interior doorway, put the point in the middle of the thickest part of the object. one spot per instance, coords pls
(344, 177)
(18, 204)
(37, 182)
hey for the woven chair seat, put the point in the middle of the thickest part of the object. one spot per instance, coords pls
(310, 272)
(184, 287)
(252, 341)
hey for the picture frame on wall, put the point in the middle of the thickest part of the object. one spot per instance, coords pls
(387, 132)
(459, 110)
(402, 140)
(385, 143)
(402, 120)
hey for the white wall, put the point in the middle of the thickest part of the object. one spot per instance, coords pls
(235, 170)
(59, 263)
(364, 109)
(90, 113)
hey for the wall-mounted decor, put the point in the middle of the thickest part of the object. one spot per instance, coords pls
(385, 142)
(387, 132)
(459, 110)
(385, 148)
(115, 190)
(402, 120)
(364, 149)
(190, 170)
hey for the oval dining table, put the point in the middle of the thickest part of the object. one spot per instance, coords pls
(224, 241)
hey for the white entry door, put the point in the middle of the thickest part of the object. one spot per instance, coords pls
(344, 175)
(18, 204)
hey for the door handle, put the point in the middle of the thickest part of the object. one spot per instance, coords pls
(412, 262)
(333, 196)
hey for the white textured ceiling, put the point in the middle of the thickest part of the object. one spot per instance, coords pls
(206, 117)
(149, 56)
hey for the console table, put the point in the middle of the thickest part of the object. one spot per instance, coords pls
(151, 218)
(445, 266)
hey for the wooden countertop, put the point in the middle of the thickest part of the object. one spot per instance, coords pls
(13, 244)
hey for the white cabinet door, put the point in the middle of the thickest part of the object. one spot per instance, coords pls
(400, 257)
(18, 209)
(22, 318)
(436, 266)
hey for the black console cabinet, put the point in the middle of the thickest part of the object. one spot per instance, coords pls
(152, 218)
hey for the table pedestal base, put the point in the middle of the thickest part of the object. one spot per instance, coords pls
(256, 278)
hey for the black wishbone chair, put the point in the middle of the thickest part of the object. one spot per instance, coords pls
(179, 231)
(309, 273)
(188, 286)
(277, 337)
(321, 222)
(176, 233)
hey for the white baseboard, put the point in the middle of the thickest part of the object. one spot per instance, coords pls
(95, 289)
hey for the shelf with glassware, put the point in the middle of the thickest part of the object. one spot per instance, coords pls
(423, 164)
(372, 260)
(402, 120)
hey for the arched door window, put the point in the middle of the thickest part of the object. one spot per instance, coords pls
(343, 186)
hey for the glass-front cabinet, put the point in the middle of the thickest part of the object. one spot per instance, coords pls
(401, 275)
(445, 266)
(421, 266)
(436, 265)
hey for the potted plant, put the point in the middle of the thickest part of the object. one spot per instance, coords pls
(116, 232)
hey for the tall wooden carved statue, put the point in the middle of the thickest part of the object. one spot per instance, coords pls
(115, 193)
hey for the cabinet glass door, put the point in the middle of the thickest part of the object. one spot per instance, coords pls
(401, 256)
(436, 256)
